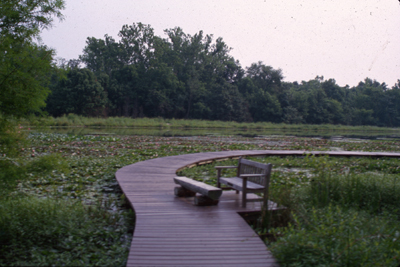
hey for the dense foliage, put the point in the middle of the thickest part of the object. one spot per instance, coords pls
(194, 76)
(24, 64)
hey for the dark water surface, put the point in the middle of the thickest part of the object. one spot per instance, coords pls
(158, 131)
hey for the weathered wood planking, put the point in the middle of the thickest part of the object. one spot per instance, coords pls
(171, 231)
(199, 187)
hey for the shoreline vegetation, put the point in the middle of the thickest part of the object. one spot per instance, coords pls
(72, 120)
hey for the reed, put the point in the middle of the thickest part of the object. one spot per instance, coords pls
(72, 120)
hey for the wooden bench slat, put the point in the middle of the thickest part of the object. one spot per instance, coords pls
(199, 187)
(236, 183)
(251, 175)
(253, 163)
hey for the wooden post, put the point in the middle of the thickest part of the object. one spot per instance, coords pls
(244, 191)
(218, 176)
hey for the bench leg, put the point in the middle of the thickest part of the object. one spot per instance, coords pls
(237, 191)
(244, 200)
(244, 197)
(218, 176)
(244, 192)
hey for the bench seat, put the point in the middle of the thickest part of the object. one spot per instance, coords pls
(209, 194)
(237, 184)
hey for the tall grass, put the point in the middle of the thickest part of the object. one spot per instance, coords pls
(375, 193)
(50, 232)
(333, 236)
(72, 120)
(349, 219)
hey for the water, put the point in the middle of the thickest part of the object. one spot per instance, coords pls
(351, 136)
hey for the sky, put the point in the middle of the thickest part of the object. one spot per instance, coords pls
(346, 40)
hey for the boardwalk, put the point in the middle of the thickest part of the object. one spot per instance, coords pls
(171, 231)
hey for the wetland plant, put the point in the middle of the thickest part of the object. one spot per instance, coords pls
(48, 232)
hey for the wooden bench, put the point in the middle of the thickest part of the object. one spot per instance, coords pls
(251, 177)
(209, 194)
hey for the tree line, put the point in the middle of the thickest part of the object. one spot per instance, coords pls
(195, 77)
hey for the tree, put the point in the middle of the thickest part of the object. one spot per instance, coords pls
(23, 75)
(265, 77)
(227, 104)
(101, 56)
(24, 65)
(79, 93)
(24, 19)
(137, 44)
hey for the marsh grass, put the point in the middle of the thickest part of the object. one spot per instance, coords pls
(15, 170)
(10, 173)
(341, 219)
(72, 120)
(375, 193)
(48, 232)
(333, 236)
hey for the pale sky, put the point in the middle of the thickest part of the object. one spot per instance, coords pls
(347, 40)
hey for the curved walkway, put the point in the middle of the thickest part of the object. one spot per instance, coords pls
(171, 231)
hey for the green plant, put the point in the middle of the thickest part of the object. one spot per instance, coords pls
(47, 163)
(333, 236)
(49, 232)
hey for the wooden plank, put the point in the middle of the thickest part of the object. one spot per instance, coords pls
(236, 183)
(253, 163)
(199, 187)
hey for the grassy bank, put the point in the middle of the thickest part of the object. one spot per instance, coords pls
(72, 120)
(63, 188)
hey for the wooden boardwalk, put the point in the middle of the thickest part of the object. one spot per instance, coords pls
(171, 231)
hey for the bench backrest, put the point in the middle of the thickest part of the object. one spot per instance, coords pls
(251, 167)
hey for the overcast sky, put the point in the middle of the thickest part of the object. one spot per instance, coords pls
(347, 40)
